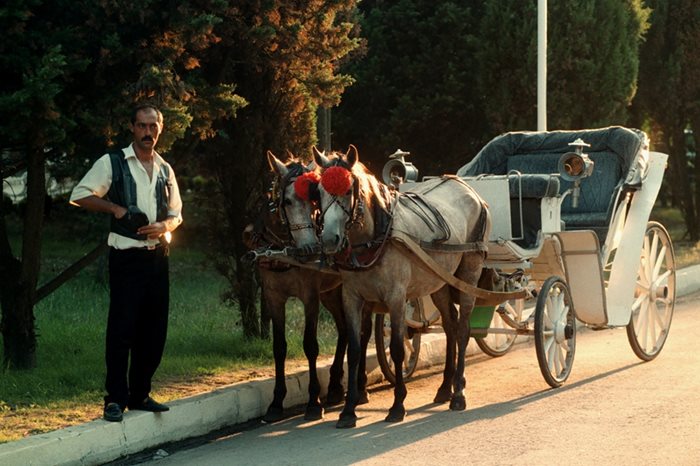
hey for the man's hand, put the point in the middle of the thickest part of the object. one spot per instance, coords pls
(118, 211)
(157, 229)
(153, 230)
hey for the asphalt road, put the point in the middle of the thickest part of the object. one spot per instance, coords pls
(614, 409)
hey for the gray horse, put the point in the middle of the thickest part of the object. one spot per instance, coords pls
(291, 224)
(362, 220)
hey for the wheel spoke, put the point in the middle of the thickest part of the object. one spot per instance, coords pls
(662, 278)
(659, 262)
(644, 324)
(643, 296)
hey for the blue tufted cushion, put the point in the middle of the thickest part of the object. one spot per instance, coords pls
(596, 191)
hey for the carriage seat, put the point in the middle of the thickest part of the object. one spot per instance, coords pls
(526, 191)
(613, 149)
(532, 186)
(597, 191)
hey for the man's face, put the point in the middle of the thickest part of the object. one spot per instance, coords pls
(146, 129)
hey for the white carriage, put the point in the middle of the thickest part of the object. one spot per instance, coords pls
(570, 213)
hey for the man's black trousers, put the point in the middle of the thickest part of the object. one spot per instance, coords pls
(138, 322)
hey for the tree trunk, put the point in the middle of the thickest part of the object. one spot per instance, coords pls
(695, 126)
(9, 286)
(19, 335)
(682, 182)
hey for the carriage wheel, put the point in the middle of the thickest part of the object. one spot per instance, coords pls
(655, 294)
(498, 344)
(382, 338)
(555, 331)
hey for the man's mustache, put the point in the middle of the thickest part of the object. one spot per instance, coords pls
(147, 138)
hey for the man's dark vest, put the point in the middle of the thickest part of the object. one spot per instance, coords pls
(123, 191)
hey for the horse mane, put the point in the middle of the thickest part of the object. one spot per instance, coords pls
(369, 185)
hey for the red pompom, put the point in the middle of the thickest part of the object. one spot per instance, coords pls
(336, 181)
(302, 185)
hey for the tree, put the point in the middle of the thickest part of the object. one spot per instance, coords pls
(415, 85)
(283, 57)
(592, 62)
(72, 71)
(669, 95)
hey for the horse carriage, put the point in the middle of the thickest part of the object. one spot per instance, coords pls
(540, 233)
(570, 228)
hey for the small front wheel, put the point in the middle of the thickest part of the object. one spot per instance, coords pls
(497, 344)
(555, 331)
(655, 294)
(382, 339)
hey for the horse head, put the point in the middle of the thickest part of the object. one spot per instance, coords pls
(346, 191)
(295, 195)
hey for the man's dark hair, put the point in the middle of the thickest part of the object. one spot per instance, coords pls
(146, 107)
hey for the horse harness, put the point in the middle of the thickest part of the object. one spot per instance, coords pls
(351, 259)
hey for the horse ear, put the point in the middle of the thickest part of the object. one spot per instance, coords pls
(351, 156)
(320, 159)
(276, 165)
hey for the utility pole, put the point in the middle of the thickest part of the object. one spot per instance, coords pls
(541, 65)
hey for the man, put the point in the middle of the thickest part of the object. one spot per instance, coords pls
(138, 188)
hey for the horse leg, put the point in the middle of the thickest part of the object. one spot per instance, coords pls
(448, 313)
(333, 301)
(314, 410)
(469, 271)
(397, 412)
(276, 304)
(352, 309)
(362, 371)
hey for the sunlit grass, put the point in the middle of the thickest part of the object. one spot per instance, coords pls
(204, 339)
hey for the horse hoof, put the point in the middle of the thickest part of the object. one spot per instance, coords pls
(443, 395)
(335, 397)
(364, 398)
(346, 422)
(273, 414)
(313, 413)
(458, 403)
(396, 415)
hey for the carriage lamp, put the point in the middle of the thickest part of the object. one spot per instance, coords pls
(397, 171)
(575, 166)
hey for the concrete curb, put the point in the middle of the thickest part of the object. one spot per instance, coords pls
(98, 442)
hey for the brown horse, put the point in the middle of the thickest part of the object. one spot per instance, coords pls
(292, 223)
(447, 217)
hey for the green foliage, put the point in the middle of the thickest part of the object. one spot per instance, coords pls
(415, 86)
(592, 61)
(283, 58)
(669, 97)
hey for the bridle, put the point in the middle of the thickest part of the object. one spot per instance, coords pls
(354, 214)
(278, 192)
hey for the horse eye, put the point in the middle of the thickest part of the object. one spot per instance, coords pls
(287, 202)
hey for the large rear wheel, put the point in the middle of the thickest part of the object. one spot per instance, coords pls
(655, 294)
(382, 338)
(555, 331)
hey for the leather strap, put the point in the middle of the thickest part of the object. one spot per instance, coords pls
(486, 297)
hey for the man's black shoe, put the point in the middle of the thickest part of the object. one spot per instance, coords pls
(113, 413)
(149, 404)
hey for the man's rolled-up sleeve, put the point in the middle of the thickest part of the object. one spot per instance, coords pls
(96, 181)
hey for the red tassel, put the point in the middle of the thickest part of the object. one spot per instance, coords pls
(336, 181)
(302, 185)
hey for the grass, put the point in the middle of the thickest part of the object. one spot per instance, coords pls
(205, 346)
(687, 252)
